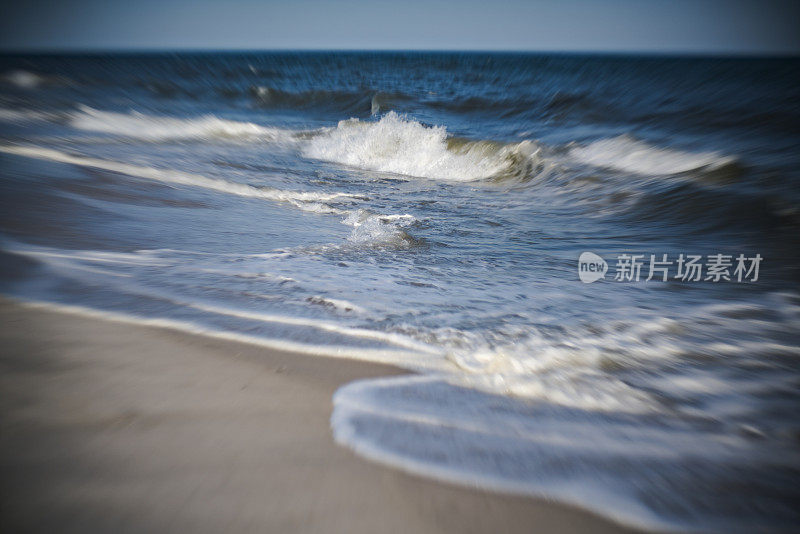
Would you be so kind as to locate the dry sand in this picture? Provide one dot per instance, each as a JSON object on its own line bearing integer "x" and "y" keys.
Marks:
{"x": 111, "y": 427}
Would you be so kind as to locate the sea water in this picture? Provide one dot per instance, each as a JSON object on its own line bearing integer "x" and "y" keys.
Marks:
{"x": 428, "y": 210}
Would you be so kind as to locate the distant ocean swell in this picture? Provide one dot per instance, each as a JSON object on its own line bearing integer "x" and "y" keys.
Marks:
{"x": 702, "y": 185}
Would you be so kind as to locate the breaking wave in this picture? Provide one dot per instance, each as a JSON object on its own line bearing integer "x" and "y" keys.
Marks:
{"x": 398, "y": 145}
{"x": 154, "y": 128}
{"x": 626, "y": 154}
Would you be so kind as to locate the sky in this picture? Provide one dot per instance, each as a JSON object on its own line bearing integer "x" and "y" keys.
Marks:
{"x": 634, "y": 26}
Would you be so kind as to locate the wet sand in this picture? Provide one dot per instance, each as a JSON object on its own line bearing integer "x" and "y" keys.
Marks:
{"x": 112, "y": 427}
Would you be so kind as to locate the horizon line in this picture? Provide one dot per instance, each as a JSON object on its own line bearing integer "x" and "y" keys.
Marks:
{"x": 784, "y": 54}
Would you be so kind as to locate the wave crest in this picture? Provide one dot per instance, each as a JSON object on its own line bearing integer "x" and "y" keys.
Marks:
{"x": 627, "y": 154}
{"x": 398, "y": 145}
{"x": 152, "y": 128}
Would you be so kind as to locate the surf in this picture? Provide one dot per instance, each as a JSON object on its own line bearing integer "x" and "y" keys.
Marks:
{"x": 399, "y": 145}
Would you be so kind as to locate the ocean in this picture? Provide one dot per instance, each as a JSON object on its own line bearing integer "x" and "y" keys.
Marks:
{"x": 429, "y": 210}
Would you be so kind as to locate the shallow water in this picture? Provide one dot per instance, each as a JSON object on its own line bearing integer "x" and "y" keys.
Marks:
{"x": 428, "y": 210}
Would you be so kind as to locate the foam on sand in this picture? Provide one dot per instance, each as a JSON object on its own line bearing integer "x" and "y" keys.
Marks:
{"x": 433, "y": 427}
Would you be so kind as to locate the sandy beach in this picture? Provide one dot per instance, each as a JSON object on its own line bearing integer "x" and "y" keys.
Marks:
{"x": 115, "y": 427}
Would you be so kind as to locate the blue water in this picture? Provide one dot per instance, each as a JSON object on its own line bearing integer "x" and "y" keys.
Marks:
{"x": 428, "y": 210}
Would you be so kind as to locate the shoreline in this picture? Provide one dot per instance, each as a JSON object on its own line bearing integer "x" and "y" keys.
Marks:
{"x": 110, "y": 426}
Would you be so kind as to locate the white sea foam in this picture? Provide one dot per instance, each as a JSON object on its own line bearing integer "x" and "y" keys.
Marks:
{"x": 371, "y": 228}
{"x": 630, "y": 155}
{"x": 416, "y": 360}
{"x": 305, "y": 200}
{"x": 571, "y": 371}
{"x": 402, "y": 146}
{"x": 155, "y": 128}
{"x": 426, "y": 426}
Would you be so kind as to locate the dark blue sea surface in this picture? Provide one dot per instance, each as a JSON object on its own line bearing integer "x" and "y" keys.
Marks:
{"x": 428, "y": 210}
